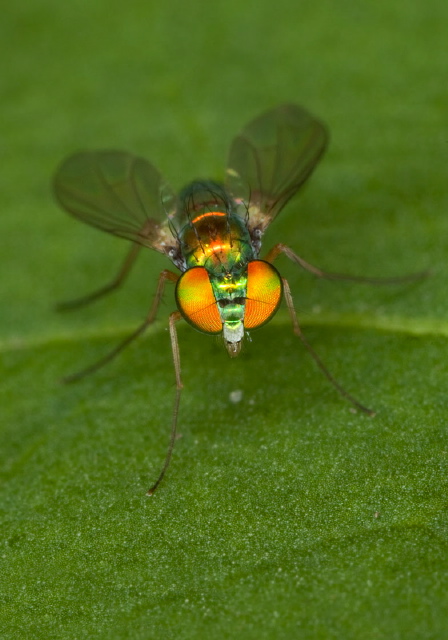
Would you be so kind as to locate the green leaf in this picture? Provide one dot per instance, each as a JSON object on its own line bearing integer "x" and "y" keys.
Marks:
{"x": 284, "y": 515}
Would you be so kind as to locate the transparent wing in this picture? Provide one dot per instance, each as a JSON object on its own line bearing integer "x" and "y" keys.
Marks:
{"x": 271, "y": 158}
{"x": 118, "y": 193}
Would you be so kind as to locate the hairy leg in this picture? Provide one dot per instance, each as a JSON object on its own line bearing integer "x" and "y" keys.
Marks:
{"x": 109, "y": 287}
{"x": 283, "y": 248}
{"x": 174, "y": 317}
{"x": 164, "y": 276}
{"x": 317, "y": 360}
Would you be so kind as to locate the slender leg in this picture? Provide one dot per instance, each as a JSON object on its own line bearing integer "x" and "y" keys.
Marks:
{"x": 174, "y": 317}
{"x": 310, "y": 349}
{"x": 283, "y": 248}
{"x": 111, "y": 286}
{"x": 164, "y": 276}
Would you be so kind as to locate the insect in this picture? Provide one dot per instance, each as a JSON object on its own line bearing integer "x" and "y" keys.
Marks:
{"x": 211, "y": 232}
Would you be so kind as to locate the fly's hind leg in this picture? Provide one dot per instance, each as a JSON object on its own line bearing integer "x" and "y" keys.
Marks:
{"x": 108, "y": 288}
{"x": 317, "y": 360}
{"x": 283, "y": 248}
{"x": 164, "y": 276}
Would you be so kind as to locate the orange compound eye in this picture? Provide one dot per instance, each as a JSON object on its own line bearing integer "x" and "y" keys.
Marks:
{"x": 264, "y": 292}
{"x": 196, "y": 301}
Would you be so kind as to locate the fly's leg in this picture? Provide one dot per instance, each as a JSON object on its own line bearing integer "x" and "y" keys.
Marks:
{"x": 108, "y": 288}
{"x": 283, "y": 248}
{"x": 174, "y": 317}
{"x": 164, "y": 276}
{"x": 317, "y": 360}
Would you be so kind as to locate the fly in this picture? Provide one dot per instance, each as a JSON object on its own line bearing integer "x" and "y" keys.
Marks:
{"x": 211, "y": 232}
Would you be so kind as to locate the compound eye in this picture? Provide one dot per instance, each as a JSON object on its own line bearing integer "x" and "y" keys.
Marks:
{"x": 196, "y": 301}
{"x": 264, "y": 292}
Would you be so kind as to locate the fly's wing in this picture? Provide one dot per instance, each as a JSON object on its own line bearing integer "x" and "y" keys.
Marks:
{"x": 270, "y": 160}
{"x": 118, "y": 193}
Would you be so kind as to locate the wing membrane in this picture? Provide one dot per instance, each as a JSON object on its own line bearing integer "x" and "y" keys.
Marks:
{"x": 271, "y": 158}
{"x": 118, "y": 193}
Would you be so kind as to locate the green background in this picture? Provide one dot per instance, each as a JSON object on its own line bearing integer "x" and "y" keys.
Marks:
{"x": 285, "y": 515}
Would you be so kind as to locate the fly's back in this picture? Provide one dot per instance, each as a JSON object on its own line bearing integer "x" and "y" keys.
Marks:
{"x": 214, "y": 236}
{"x": 224, "y": 288}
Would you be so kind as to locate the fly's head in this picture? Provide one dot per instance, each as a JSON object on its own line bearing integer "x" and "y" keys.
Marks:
{"x": 230, "y": 302}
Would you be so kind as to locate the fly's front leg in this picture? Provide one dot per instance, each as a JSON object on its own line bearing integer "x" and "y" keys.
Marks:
{"x": 174, "y": 317}
{"x": 283, "y": 248}
{"x": 317, "y": 360}
{"x": 108, "y": 288}
{"x": 164, "y": 276}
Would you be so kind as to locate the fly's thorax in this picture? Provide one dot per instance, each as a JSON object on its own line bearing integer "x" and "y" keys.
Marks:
{"x": 218, "y": 241}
